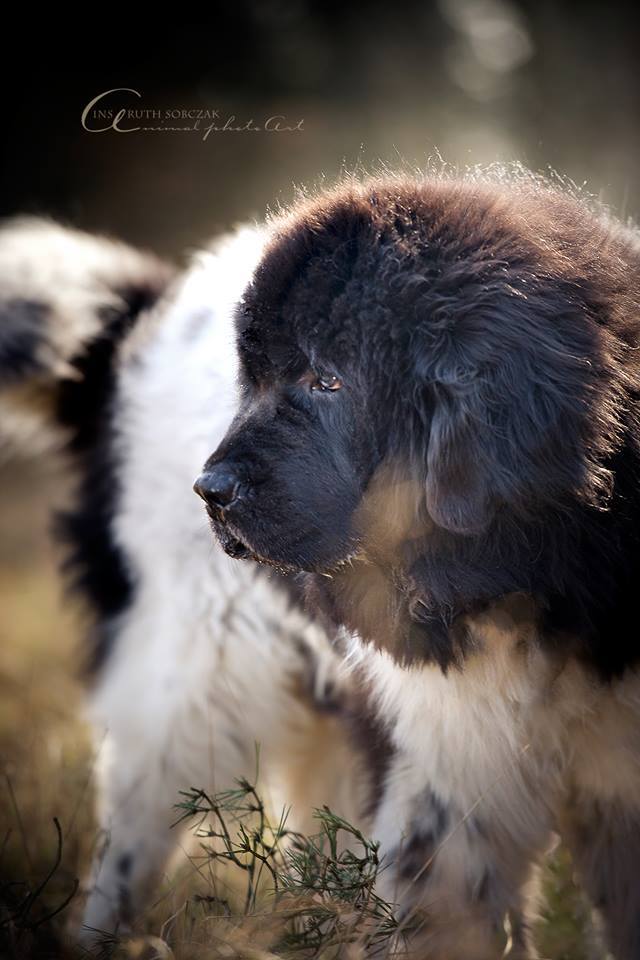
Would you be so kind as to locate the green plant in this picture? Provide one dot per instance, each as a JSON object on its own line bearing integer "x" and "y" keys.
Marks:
{"x": 318, "y": 891}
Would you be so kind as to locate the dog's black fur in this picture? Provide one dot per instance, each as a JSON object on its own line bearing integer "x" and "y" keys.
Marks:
{"x": 96, "y": 566}
{"x": 475, "y": 347}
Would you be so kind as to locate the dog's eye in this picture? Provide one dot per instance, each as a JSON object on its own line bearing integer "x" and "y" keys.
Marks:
{"x": 325, "y": 383}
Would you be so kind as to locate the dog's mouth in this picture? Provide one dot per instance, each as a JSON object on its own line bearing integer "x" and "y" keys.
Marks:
{"x": 235, "y": 547}
{"x": 238, "y": 549}
{"x": 232, "y": 545}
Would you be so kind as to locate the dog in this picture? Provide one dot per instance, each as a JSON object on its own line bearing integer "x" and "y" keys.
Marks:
{"x": 123, "y": 367}
{"x": 439, "y": 428}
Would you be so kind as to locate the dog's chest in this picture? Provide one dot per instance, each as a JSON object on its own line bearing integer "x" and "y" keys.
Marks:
{"x": 511, "y": 721}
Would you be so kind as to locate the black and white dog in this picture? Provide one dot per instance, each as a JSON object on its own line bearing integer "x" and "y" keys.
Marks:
{"x": 127, "y": 372}
{"x": 439, "y": 425}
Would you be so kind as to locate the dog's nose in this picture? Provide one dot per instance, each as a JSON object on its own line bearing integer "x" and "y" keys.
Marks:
{"x": 219, "y": 486}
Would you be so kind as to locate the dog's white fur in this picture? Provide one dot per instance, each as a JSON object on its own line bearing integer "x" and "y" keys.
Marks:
{"x": 207, "y": 666}
{"x": 512, "y": 748}
{"x": 210, "y": 657}
{"x": 213, "y": 673}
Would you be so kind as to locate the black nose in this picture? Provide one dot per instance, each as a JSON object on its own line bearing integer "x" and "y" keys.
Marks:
{"x": 219, "y": 486}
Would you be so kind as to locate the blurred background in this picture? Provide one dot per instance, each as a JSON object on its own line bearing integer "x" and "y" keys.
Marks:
{"x": 469, "y": 81}
{"x": 546, "y": 83}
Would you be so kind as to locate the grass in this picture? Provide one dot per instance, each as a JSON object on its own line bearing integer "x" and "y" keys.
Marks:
{"x": 254, "y": 891}
{"x": 313, "y": 895}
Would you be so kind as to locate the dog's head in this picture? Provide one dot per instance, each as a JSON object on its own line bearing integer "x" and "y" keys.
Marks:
{"x": 421, "y": 363}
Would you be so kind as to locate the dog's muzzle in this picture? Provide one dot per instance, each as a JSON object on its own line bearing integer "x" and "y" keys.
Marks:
{"x": 221, "y": 489}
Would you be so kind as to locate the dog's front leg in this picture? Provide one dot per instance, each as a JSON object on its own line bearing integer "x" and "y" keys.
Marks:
{"x": 603, "y": 835}
{"x": 137, "y": 792}
{"x": 460, "y": 877}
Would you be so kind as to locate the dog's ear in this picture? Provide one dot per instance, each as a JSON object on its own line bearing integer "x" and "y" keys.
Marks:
{"x": 459, "y": 496}
{"x": 524, "y": 406}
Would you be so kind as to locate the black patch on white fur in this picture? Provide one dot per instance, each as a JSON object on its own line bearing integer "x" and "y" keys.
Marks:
{"x": 22, "y": 328}
{"x": 97, "y": 566}
{"x": 370, "y": 738}
{"x": 125, "y": 864}
{"x": 415, "y": 855}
